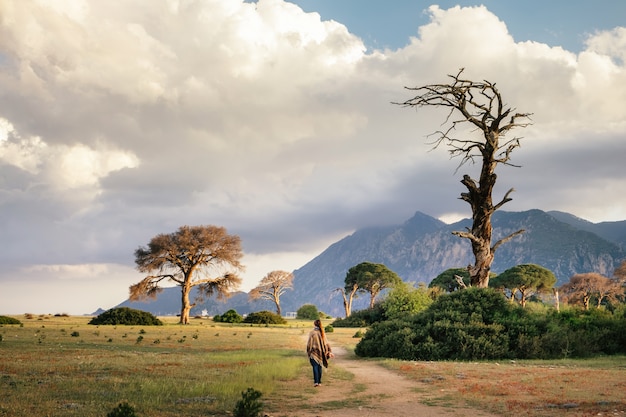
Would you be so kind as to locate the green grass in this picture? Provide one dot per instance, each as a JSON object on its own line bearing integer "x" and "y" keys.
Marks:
{"x": 61, "y": 366}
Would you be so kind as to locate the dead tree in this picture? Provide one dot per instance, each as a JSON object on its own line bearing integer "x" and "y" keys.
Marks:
{"x": 479, "y": 104}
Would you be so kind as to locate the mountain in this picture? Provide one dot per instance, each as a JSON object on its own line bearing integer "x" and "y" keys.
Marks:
{"x": 612, "y": 231}
{"x": 422, "y": 247}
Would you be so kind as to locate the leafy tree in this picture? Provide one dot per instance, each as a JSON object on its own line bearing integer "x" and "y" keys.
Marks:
{"x": 187, "y": 257}
{"x": 583, "y": 288}
{"x": 371, "y": 278}
{"x": 525, "y": 280}
{"x": 308, "y": 312}
{"x": 448, "y": 281}
{"x": 272, "y": 286}
{"x": 405, "y": 299}
{"x": 480, "y": 105}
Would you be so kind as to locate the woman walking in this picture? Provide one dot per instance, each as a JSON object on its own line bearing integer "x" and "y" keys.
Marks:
{"x": 318, "y": 350}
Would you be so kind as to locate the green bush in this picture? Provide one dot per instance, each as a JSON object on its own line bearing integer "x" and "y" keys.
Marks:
{"x": 231, "y": 316}
{"x": 388, "y": 339}
{"x": 9, "y": 320}
{"x": 249, "y": 405}
{"x": 122, "y": 410}
{"x": 480, "y": 324}
{"x": 362, "y": 318}
{"x": 264, "y": 317}
{"x": 404, "y": 300}
{"x": 461, "y": 325}
{"x": 308, "y": 312}
{"x": 329, "y": 329}
{"x": 126, "y": 316}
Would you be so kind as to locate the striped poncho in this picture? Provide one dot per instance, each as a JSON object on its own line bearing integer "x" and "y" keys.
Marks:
{"x": 317, "y": 347}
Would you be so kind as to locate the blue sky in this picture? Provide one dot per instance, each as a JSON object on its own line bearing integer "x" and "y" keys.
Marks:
{"x": 553, "y": 22}
{"x": 123, "y": 120}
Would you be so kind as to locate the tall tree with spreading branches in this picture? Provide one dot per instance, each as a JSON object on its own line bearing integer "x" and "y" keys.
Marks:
{"x": 203, "y": 256}
{"x": 272, "y": 287}
{"x": 591, "y": 286}
{"x": 480, "y": 105}
{"x": 371, "y": 278}
{"x": 524, "y": 281}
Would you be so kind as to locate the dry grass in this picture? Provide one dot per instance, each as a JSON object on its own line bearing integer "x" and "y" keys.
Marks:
{"x": 525, "y": 388}
{"x": 60, "y": 366}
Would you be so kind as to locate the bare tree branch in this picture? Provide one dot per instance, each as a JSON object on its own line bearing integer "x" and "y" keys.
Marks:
{"x": 480, "y": 105}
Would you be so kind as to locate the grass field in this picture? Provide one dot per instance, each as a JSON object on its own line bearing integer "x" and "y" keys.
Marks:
{"x": 61, "y": 366}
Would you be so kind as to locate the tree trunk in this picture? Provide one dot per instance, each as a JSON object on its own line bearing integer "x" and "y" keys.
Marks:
{"x": 278, "y": 309}
{"x": 347, "y": 300}
{"x": 186, "y": 305}
{"x": 372, "y": 299}
{"x": 556, "y": 299}
{"x": 347, "y": 305}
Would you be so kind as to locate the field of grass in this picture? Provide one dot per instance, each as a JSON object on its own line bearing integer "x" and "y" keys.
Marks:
{"x": 61, "y": 366}
{"x": 582, "y": 387}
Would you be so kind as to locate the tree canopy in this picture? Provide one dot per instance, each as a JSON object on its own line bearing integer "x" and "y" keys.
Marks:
{"x": 371, "y": 278}
{"x": 480, "y": 105}
{"x": 272, "y": 287}
{"x": 448, "y": 281}
{"x": 203, "y": 256}
{"x": 525, "y": 280}
{"x": 585, "y": 288}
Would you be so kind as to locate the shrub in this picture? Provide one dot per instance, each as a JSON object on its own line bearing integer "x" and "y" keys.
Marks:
{"x": 264, "y": 317}
{"x": 231, "y": 316}
{"x": 329, "y": 329}
{"x": 480, "y": 324}
{"x": 404, "y": 300}
{"x": 362, "y": 318}
{"x": 123, "y": 410}
{"x": 9, "y": 320}
{"x": 462, "y": 325}
{"x": 249, "y": 405}
{"x": 308, "y": 312}
{"x": 126, "y": 316}
{"x": 396, "y": 334}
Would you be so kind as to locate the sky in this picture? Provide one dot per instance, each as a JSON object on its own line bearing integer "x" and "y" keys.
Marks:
{"x": 274, "y": 119}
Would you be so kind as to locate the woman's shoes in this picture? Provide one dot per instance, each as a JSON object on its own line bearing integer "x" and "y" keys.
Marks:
{"x": 317, "y": 385}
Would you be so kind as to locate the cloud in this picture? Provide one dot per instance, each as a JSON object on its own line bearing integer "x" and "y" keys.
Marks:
{"x": 119, "y": 121}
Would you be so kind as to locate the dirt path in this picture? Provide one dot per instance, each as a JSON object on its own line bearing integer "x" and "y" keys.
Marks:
{"x": 361, "y": 388}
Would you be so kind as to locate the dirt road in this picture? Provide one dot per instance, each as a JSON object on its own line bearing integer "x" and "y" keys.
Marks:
{"x": 359, "y": 388}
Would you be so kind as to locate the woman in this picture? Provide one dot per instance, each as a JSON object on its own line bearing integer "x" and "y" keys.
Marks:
{"x": 318, "y": 350}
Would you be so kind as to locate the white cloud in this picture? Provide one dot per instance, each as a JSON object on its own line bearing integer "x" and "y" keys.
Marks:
{"x": 119, "y": 121}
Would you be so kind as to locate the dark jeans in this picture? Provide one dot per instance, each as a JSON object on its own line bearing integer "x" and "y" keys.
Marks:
{"x": 317, "y": 371}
